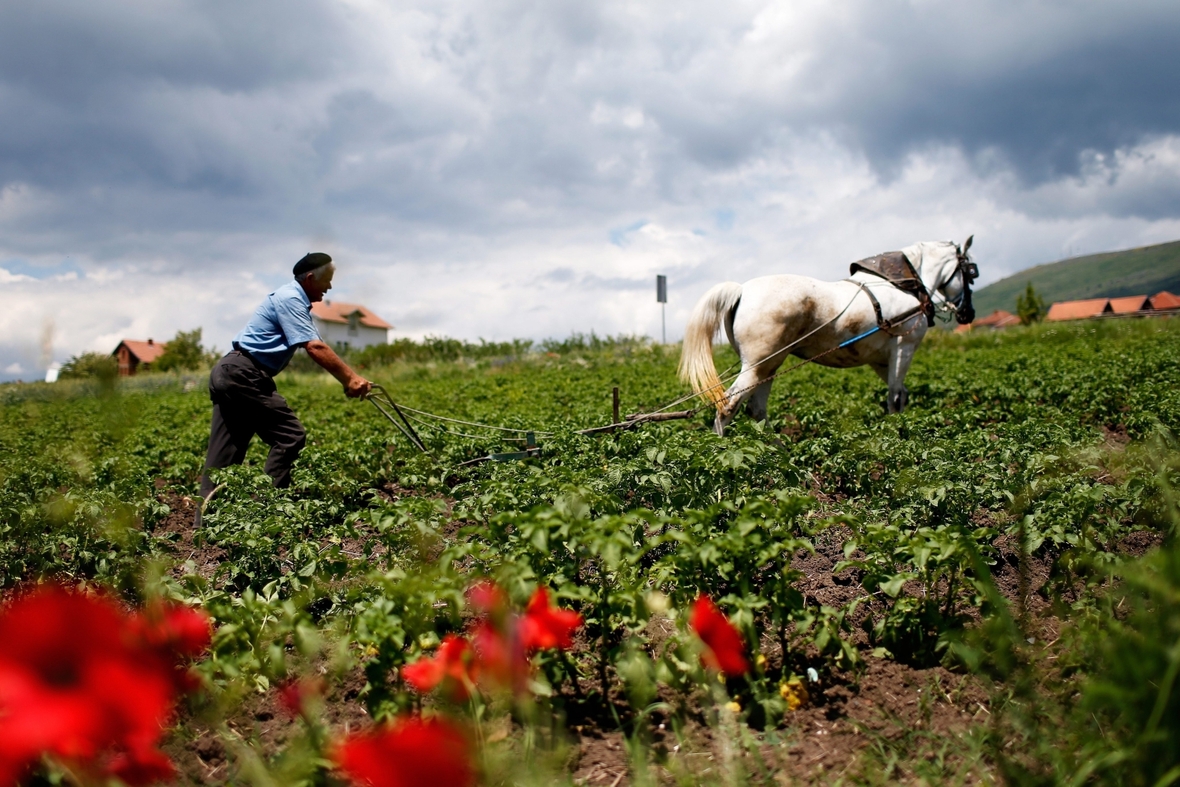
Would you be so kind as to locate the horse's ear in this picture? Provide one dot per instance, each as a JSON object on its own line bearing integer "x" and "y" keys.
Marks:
{"x": 967, "y": 245}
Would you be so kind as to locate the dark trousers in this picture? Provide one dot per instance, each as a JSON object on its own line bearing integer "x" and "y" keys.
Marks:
{"x": 245, "y": 403}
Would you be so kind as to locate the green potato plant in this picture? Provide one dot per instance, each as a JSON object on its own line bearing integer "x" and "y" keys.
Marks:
{"x": 1049, "y": 443}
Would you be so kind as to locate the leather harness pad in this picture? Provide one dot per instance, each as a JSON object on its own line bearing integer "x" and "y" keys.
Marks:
{"x": 895, "y": 268}
{"x": 892, "y": 265}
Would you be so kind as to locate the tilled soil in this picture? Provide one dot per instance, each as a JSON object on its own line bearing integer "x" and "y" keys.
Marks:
{"x": 205, "y": 754}
{"x": 816, "y": 743}
{"x": 889, "y": 700}
{"x": 179, "y": 529}
{"x": 846, "y": 716}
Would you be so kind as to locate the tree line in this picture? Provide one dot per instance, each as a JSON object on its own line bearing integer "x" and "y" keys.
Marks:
{"x": 183, "y": 353}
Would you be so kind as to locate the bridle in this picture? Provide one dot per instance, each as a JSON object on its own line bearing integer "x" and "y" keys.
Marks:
{"x": 969, "y": 271}
{"x": 895, "y": 268}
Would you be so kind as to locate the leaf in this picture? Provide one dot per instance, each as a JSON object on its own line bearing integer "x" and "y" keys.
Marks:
{"x": 892, "y": 586}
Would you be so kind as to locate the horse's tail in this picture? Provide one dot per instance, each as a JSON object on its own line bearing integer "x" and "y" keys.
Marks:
{"x": 696, "y": 355}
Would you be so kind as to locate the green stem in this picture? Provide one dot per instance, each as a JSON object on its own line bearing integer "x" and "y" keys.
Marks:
{"x": 604, "y": 620}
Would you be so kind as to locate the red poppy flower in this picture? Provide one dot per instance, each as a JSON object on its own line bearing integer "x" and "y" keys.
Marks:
{"x": 294, "y": 695}
{"x": 11, "y": 771}
{"x": 78, "y": 681}
{"x": 501, "y": 655}
{"x": 138, "y": 768}
{"x": 70, "y": 681}
{"x": 453, "y": 663}
{"x": 487, "y": 598}
{"x": 545, "y": 627}
{"x": 174, "y": 633}
{"x": 175, "y": 629}
{"x": 725, "y": 649}
{"x": 407, "y": 753}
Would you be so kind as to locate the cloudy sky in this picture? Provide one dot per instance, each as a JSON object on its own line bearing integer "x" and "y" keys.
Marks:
{"x": 524, "y": 168}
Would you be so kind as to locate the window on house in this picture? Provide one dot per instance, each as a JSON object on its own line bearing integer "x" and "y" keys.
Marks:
{"x": 354, "y": 320}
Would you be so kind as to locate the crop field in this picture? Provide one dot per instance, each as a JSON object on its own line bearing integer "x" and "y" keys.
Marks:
{"x": 983, "y": 589}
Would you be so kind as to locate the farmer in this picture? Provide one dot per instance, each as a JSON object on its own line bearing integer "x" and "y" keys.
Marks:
{"x": 241, "y": 385}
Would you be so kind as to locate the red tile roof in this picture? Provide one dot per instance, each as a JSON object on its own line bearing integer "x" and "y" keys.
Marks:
{"x": 1078, "y": 310}
{"x": 1129, "y": 304}
{"x": 1165, "y": 300}
{"x": 146, "y": 352}
{"x": 997, "y": 319}
{"x": 338, "y": 311}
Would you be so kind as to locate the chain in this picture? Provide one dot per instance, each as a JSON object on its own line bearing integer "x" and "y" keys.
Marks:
{"x": 476, "y": 424}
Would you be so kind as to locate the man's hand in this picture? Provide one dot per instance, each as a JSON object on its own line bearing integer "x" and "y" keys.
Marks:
{"x": 357, "y": 388}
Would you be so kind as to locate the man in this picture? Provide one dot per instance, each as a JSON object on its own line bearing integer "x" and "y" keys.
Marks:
{"x": 241, "y": 385}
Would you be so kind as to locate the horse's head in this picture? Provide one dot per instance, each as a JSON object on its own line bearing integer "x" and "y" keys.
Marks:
{"x": 966, "y": 272}
{"x": 953, "y": 277}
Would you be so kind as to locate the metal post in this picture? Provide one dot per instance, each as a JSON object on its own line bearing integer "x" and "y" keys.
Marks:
{"x": 615, "y": 405}
{"x": 662, "y": 297}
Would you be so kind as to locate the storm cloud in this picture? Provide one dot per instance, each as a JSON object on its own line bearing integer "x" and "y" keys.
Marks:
{"x": 163, "y": 164}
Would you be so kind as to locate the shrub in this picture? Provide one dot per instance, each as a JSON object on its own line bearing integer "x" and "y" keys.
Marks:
{"x": 1030, "y": 307}
{"x": 184, "y": 353}
{"x": 99, "y": 366}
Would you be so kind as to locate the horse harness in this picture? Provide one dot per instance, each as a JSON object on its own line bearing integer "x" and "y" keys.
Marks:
{"x": 895, "y": 268}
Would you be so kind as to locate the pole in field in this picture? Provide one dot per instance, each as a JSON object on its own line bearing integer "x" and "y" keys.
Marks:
{"x": 662, "y": 297}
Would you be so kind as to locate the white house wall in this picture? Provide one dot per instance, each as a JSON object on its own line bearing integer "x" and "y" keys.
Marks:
{"x": 337, "y": 334}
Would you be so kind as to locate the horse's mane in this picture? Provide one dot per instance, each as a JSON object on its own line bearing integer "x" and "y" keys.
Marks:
{"x": 930, "y": 251}
{"x": 926, "y": 250}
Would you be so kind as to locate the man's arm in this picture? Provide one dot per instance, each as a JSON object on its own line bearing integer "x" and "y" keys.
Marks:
{"x": 354, "y": 385}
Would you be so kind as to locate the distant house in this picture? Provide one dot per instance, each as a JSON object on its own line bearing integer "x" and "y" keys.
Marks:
{"x": 996, "y": 320}
{"x": 349, "y": 326}
{"x": 1079, "y": 310}
{"x": 133, "y": 353}
{"x": 1165, "y": 301}
{"x": 1130, "y": 305}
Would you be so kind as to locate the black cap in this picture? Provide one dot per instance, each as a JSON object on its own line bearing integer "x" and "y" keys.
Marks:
{"x": 310, "y": 261}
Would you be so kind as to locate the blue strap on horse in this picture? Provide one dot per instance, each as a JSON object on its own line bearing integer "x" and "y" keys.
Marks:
{"x": 856, "y": 339}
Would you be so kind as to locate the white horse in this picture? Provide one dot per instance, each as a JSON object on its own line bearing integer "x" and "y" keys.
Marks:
{"x": 768, "y": 318}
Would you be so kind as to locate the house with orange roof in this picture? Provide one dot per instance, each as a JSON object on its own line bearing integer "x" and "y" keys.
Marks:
{"x": 996, "y": 320}
{"x": 1162, "y": 304}
{"x": 1165, "y": 301}
{"x": 349, "y": 326}
{"x": 1130, "y": 304}
{"x": 1079, "y": 310}
{"x": 133, "y": 353}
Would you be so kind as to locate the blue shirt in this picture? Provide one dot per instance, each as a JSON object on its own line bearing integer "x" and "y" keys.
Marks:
{"x": 281, "y": 324}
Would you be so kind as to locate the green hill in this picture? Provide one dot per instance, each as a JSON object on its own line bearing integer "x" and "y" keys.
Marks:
{"x": 1142, "y": 271}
